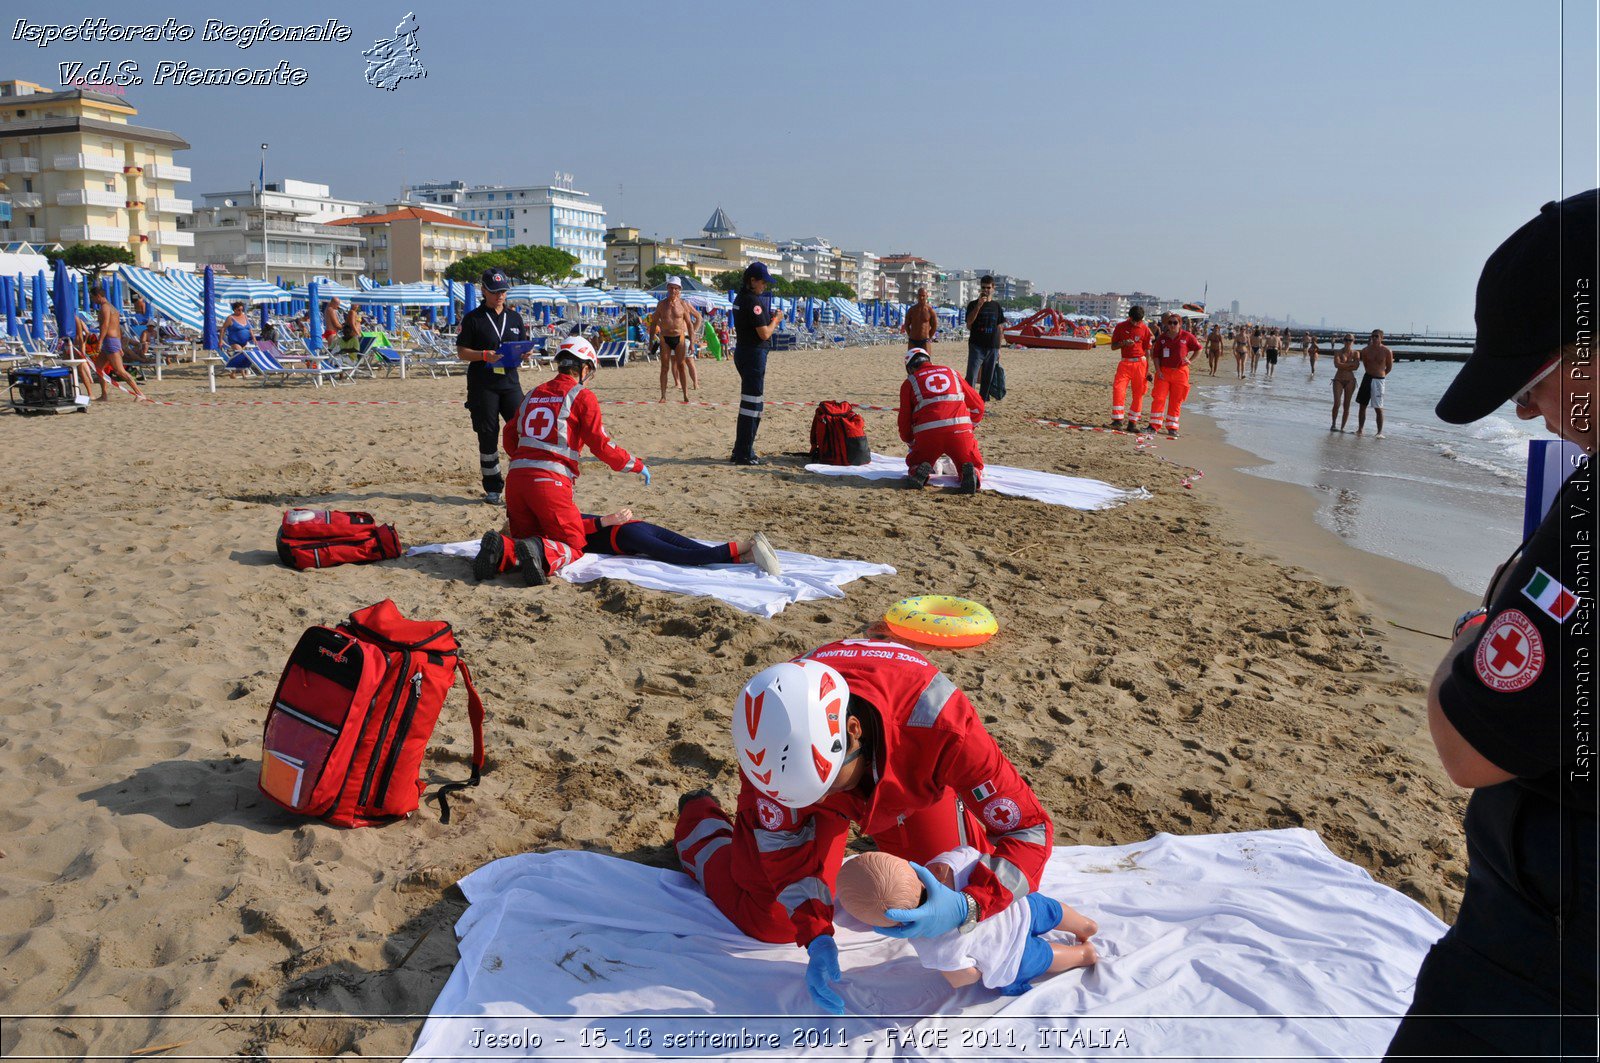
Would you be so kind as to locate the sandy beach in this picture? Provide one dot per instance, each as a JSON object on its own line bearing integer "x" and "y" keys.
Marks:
{"x": 1206, "y": 660}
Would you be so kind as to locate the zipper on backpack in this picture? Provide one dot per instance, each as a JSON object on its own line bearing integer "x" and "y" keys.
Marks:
{"x": 399, "y": 738}
{"x": 379, "y": 637}
{"x": 383, "y": 732}
{"x": 309, "y": 721}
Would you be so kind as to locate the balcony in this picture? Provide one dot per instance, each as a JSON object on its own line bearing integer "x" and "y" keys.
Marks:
{"x": 172, "y": 238}
{"x": 90, "y": 197}
{"x": 166, "y": 171}
{"x": 95, "y": 234}
{"x": 168, "y": 205}
{"x": 25, "y": 200}
{"x": 21, "y": 164}
{"x": 31, "y": 236}
{"x": 99, "y": 163}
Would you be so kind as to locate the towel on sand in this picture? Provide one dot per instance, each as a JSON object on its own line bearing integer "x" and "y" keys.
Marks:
{"x": 1248, "y": 945}
{"x": 805, "y": 578}
{"x": 1074, "y": 492}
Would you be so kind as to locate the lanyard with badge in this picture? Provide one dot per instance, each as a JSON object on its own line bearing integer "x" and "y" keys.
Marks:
{"x": 499, "y": 334}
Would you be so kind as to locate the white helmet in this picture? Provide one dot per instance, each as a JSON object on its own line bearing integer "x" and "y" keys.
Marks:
{"x": 788, "y": 731}
{"x": 913, "y": 353}
{"x": 578, "y": 348}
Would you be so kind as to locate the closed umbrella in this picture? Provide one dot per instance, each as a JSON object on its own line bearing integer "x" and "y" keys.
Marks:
{"x": 450, "y": 303}
{"x": 470, "y": 303}
{"x": 65, "y": 302}
{"x": 8, "y": 294}
{"x": 208, "y": 309}
{"x": 38, "y": 306}
{"x": 314, "y": 318}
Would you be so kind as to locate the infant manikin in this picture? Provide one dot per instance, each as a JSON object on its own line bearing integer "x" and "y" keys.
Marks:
{"x": 1006, "y": 951}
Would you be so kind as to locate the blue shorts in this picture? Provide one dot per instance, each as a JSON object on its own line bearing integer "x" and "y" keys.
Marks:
{"x": 1037, "y": 955}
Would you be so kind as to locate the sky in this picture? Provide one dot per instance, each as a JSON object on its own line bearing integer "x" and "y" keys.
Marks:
{"x": 1354, "y": 162}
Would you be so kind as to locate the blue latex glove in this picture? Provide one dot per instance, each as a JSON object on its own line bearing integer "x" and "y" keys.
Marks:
{"x": 943, "y": 911}
{"x": 645, "y": 472}
{"x": 822, "y": 969}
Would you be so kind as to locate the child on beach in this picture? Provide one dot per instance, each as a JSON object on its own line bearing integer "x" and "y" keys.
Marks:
{"x": 1006, "y": 951}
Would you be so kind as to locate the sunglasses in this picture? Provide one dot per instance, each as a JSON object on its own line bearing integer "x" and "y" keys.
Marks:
{"x": 1524, "y": 398}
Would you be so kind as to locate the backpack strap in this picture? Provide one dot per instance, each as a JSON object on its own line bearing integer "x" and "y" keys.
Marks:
{"x": 475, "y": 714}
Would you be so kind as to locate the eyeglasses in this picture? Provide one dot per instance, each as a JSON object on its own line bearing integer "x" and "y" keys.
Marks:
{"x": 1524, "y": 398}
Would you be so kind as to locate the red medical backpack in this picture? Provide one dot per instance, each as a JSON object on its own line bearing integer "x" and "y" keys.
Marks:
{"x": 353, "y": 713}
{"x": 839, "y": 435}
{"x": 328, "y": 537}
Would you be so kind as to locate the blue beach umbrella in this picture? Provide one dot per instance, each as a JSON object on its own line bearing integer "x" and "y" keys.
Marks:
{"x": 450, "y": 303}
{"x": 208, "y": 309}
{"x": 38, "y": 306}
{"x": 314, "y": 319}
{"x": 469, "y": 300}
{"x": 8, "y": 291}
{"x": 65, "y": 301}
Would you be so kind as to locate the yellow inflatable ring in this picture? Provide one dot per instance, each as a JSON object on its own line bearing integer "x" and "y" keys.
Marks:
{"x": 941, "y": 620}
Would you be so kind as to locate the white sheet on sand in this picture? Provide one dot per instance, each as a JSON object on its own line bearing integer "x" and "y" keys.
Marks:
{"x": 1248, "y": 945}
{"x": 805, "y": 578}
{"x": 1074, "y": 492}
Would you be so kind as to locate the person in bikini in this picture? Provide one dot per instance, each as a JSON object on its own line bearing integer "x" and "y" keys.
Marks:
{"x": 1309, "y": 342}
{"x": 1214, "y": 348}
{"x": 1241, "y": 344}
{"x": 1255, "y": 348}
{"x": 1345, "y": 361}
{"x": 108, "y": 360}
{"x": 674, "y": 322}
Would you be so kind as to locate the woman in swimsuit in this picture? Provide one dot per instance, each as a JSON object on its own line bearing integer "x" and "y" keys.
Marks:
{"x": 1214, "y": 348}
{"x": 1255, "y": 348}
{"x": 1239, "y": 346}
{"x": 1344, "y": 382}
{"x": 1310, "y": 343}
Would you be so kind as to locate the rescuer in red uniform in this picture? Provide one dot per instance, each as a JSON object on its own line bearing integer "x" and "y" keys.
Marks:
{"x": 870, "y": 733}
{"x": 937, "y": 411}
{"x": 555, "y": 422}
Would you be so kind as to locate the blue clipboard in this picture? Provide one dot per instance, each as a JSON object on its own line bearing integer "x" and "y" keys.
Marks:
{"x": 512, "y": 352}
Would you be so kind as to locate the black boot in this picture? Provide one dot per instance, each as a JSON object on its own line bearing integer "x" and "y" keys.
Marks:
{"x": 531, "y": 562}
{"x": 969, "y": 479}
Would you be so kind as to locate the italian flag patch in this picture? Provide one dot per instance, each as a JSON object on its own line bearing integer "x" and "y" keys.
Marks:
{"x": 1551, "y": 597}
{"x": 984, "y": 792}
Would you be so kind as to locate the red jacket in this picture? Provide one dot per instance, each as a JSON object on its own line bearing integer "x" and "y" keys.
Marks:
{"x": 934, "y": 397}
{"x": 932, "y": 740}
{"x": 555, "y": 422}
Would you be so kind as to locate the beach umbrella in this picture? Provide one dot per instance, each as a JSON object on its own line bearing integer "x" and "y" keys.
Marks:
{"x": 65, "y": 302}
{"x": 632, "y": 297}
{"x": 8, "y": 294}
{"x": 470, "y": 303}
{"x": 164, "y": 298}
{"x": 450, "y": 303}
{"x": 38, "y": 306}
{"x": 208, "y": 310}
{"x": 314, "y": 320}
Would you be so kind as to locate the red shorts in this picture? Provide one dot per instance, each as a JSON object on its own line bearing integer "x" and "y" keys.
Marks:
{"x": 539, "y": 506}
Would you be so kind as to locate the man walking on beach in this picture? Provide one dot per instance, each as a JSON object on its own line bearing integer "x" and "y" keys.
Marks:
{"x": 673, "y": 322}
{"x": 986, "y": 323}
{"x": 108, "y": 360}
{"x": 1510, "y": 706}
{"x": 921, "y": 323}
{"x": 1376, "y": 361}
{"x": 1131, "y": 339}
{"x": 493, "y": 390}
{"x": 885, "y": 741}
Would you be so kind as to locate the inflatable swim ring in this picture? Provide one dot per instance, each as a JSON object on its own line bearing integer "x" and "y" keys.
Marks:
{"x": 1101, "y": 339}
{"x": 941, "y": 620}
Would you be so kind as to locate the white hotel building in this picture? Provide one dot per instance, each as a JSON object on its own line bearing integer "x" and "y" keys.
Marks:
{"x": 551, "y": 215}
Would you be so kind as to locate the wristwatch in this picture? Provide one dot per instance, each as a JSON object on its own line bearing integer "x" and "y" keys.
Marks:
{"x": 1468, "y": 619}
{"x": 971, "y": 920}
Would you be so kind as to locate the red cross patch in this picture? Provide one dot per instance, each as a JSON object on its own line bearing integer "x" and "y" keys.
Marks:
{"x": 771, "y": 815}
{"x": 1510, "y": 654}
{"x": 1002, "y": 814}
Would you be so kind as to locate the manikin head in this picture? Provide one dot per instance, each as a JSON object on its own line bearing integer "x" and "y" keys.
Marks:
{"x": 872, "y": 883}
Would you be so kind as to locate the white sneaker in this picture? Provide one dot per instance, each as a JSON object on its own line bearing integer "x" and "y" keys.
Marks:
{"x": 491, "y": 498}
{"x": 764, "y": 557}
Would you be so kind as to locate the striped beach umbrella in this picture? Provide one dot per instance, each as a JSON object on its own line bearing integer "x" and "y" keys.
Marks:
{"x": 579, "y": 296}
{"x": 532, "y": 293}
{"x": 631, "y": 297}
{"x": 251, "y": 292}
{"x": 163, "y": 297}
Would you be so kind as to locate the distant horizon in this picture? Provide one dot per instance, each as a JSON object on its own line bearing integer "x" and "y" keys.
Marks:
{"x": 1362, "y": 180}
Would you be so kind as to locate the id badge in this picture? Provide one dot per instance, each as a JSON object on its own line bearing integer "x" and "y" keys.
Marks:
{"x": 500, "y": 370}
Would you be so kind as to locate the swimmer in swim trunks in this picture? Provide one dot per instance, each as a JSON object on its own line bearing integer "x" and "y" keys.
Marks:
{"x": 1377, "y": 361}
{"x": 674, "y": 322}
{"x": 1272, "y": 352}
{"x": 109, "y": 358}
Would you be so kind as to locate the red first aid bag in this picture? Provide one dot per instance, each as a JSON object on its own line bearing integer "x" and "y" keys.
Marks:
{"x": 322, "y": 538}
{"x": 353, "y": 713}
{"x": 839, "y": 435}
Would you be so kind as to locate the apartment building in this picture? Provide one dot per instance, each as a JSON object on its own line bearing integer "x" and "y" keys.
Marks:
{"x": 1111, "y": 305}
{"x": 407, "y": 243}
{"x": 629, "y": 256}
{"x": 77, "y": 170}
{"x": 908, "y": 273}
{"x": 554, "y": 215}
{"x": 284, "y": 230}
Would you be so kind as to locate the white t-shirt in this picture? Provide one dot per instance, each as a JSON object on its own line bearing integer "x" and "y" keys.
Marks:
{"x": 994, "y": 946}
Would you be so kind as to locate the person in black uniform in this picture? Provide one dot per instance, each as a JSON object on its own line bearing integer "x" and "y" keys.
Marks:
{"x": 1511, "y": 707}
{"x": 754, "y": 322}
{"x": 493, "y": 391}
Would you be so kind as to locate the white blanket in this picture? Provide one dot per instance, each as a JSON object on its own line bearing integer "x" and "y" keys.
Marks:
{"x": 1246, "y": 945}
{"x": 1074, "y": 492}
{"x": 805, "y": 578}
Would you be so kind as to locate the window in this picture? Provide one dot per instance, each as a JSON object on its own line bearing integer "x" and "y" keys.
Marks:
{"x": 27, "y": 184}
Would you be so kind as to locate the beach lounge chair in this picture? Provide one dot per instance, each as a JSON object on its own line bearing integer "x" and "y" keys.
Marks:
{"x": 274, "y": 371}
{"x": 614, "y": 353}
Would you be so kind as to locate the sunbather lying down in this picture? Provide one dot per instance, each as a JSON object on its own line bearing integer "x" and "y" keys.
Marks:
{"x": 620, "y": 533}
{"x": 1007, "y": 951}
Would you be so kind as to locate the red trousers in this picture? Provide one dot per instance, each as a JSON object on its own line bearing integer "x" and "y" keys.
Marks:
{"x": 959, "y": 443}
{"x": 1131, "y": 373}
{"x": 722, "y": 855}
{"x": 540, "y": 507}
{"x": 1172, "y": 387}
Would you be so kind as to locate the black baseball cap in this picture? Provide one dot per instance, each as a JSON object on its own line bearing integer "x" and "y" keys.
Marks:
{"x": 757, "y": 271}
{"x": 495, "y": 280}
{"x": 1525, "y": 311}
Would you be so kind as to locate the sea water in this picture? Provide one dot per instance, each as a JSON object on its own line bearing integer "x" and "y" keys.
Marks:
{"x": 1447, "y": 498}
